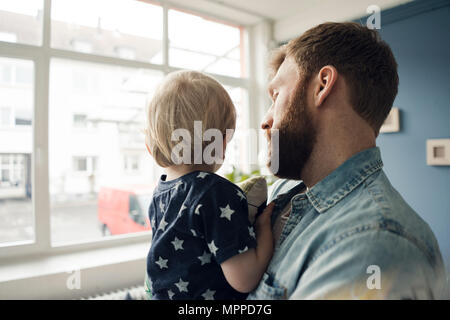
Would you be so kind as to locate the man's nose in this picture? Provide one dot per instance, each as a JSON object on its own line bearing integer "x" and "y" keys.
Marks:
{"x": 267, "y": 121}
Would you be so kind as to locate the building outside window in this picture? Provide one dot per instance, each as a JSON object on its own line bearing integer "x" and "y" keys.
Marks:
{"x": 87, "y": 91}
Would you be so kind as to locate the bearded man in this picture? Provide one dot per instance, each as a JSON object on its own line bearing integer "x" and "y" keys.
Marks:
{"x": 341, "y": 230}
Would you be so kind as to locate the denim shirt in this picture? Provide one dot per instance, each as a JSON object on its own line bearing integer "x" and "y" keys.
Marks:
{"x": 351, "y": 236}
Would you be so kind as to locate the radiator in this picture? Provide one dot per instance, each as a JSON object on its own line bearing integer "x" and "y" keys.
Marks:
{"x": 132, "y": 293}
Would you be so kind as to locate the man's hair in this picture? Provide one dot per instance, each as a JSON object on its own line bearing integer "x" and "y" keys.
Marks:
{"x": 182, "y": 98}
{"x": 359, "y": 55}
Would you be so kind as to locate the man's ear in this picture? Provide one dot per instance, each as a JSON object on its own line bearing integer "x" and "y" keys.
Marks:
{"x": 326, "y": 78}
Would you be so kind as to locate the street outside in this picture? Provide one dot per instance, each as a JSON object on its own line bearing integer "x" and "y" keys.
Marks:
{"x": 70, "y": 221}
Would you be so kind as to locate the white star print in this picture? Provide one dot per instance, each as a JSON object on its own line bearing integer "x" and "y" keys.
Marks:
{"x": 212, "y": 247}
{"x": 208, "y": 294}
{"x": 170, "y": 294}
{"x": 194, "y": 233}
{"x": 163, "y": 224}
{"x": 181, "y": 209}
{"x": 162, "y": 263}
{"x": 177, "y": 244}
{"x": 201, "y": 175}
{"x": 251, "y": 232}
{"x": 197, "y": 209}
{"x": 182, "y": 285}
{"x": 179, "y": 183}
{"x": 241, "y": 195}
{"x": 205, "y": 258}
{"x": 226, "y": 212}
{"x": 161, "y": 206}
{"x": 243, "y": 250}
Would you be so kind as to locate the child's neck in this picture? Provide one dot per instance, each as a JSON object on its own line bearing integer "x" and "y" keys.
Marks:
{"x": 174, "y": 172}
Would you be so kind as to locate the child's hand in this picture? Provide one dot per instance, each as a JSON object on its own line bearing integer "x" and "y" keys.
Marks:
{"x": 244, "y": 271}
{"x": 263, "y": 219}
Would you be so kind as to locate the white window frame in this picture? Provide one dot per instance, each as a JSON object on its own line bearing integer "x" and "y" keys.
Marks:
{"x": 41, "y": 56}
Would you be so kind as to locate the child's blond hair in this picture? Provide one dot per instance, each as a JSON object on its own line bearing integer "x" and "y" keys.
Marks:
{"x": 182, "y": 98}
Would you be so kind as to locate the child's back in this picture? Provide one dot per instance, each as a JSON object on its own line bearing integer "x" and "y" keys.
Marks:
{"x": 199, "y": 221}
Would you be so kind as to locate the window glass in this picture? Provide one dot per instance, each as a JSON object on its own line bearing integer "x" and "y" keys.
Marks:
{"x": 16, "y": 136}
{"x": 194, "y": 44}
{"x": 21, "y": 21}
{"x": 89, "y": 188}
{"x": 237, "y": 150}
{"x": 126, "y": 29}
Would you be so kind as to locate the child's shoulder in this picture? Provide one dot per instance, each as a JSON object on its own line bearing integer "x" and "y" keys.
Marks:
{"x": 213, "y": 183}
{"x": 217, "y": 187}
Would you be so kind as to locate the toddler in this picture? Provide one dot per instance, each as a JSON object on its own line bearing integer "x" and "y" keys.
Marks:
{"x": 203, "y": 245}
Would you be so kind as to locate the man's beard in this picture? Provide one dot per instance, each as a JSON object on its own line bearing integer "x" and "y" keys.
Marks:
{"x": 296, "y": 138}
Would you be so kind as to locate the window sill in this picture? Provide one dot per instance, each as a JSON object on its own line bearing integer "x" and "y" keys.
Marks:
{"x": 57, "y": 276}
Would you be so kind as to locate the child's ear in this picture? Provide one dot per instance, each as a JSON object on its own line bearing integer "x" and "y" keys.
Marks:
{"x": 146, "y": 141}
{"x": 227, "y": 136}
{"x": 225, "y": 142}
{"x": 145, "y": 132}
{"x": 148, "y": 149}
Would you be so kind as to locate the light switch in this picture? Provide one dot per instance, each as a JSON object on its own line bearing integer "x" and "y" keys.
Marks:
{"x": 438, "y": 152}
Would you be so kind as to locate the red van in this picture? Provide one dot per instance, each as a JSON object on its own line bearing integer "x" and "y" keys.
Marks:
{"x": 124, "y": 210}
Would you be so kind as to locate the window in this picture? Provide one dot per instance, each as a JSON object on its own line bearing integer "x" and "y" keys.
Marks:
{"x": 21, "y": 21}
{"x": 237, "y": 152}
{"x": 16, "y": 214}
{"x": 22, "y": 117}
{"x": 194, "y": 44}
{"x": 85, "y": 164}
{"x": 131, "y": 163}
{"x": 80, "y": 120}
{"x": 102, "y": 26}
{"x": 104, "y": 60}
{"x": 80, "y": 164}
{"x": 117, "y": 107}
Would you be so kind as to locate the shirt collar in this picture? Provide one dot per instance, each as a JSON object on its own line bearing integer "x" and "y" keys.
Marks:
{"x": 344, "y": 179}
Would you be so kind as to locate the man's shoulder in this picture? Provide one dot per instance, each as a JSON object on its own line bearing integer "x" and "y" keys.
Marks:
{"x": 390, "y": 205}
{"x": 378, "y": 207}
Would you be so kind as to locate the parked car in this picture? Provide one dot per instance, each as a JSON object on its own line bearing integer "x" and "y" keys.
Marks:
{"x": 124, "y": 209}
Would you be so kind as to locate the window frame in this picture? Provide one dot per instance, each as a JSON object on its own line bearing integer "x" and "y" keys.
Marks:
{"x": 40, "y": 56}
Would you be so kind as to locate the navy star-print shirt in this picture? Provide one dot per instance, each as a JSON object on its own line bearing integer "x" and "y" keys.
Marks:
{"x": 198, "y": 221}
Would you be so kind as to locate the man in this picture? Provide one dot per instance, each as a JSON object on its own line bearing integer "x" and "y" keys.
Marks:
{"x": 341, "y": 230}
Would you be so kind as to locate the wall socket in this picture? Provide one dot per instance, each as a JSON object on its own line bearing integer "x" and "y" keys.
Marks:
{"x": 438, "y": 152}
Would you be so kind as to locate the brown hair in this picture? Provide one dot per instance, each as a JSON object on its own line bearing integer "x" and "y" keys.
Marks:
{"x": 359, "y": 55}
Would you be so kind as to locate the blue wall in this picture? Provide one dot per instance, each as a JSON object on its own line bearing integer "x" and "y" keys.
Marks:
{"x": 421, "y": 45}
